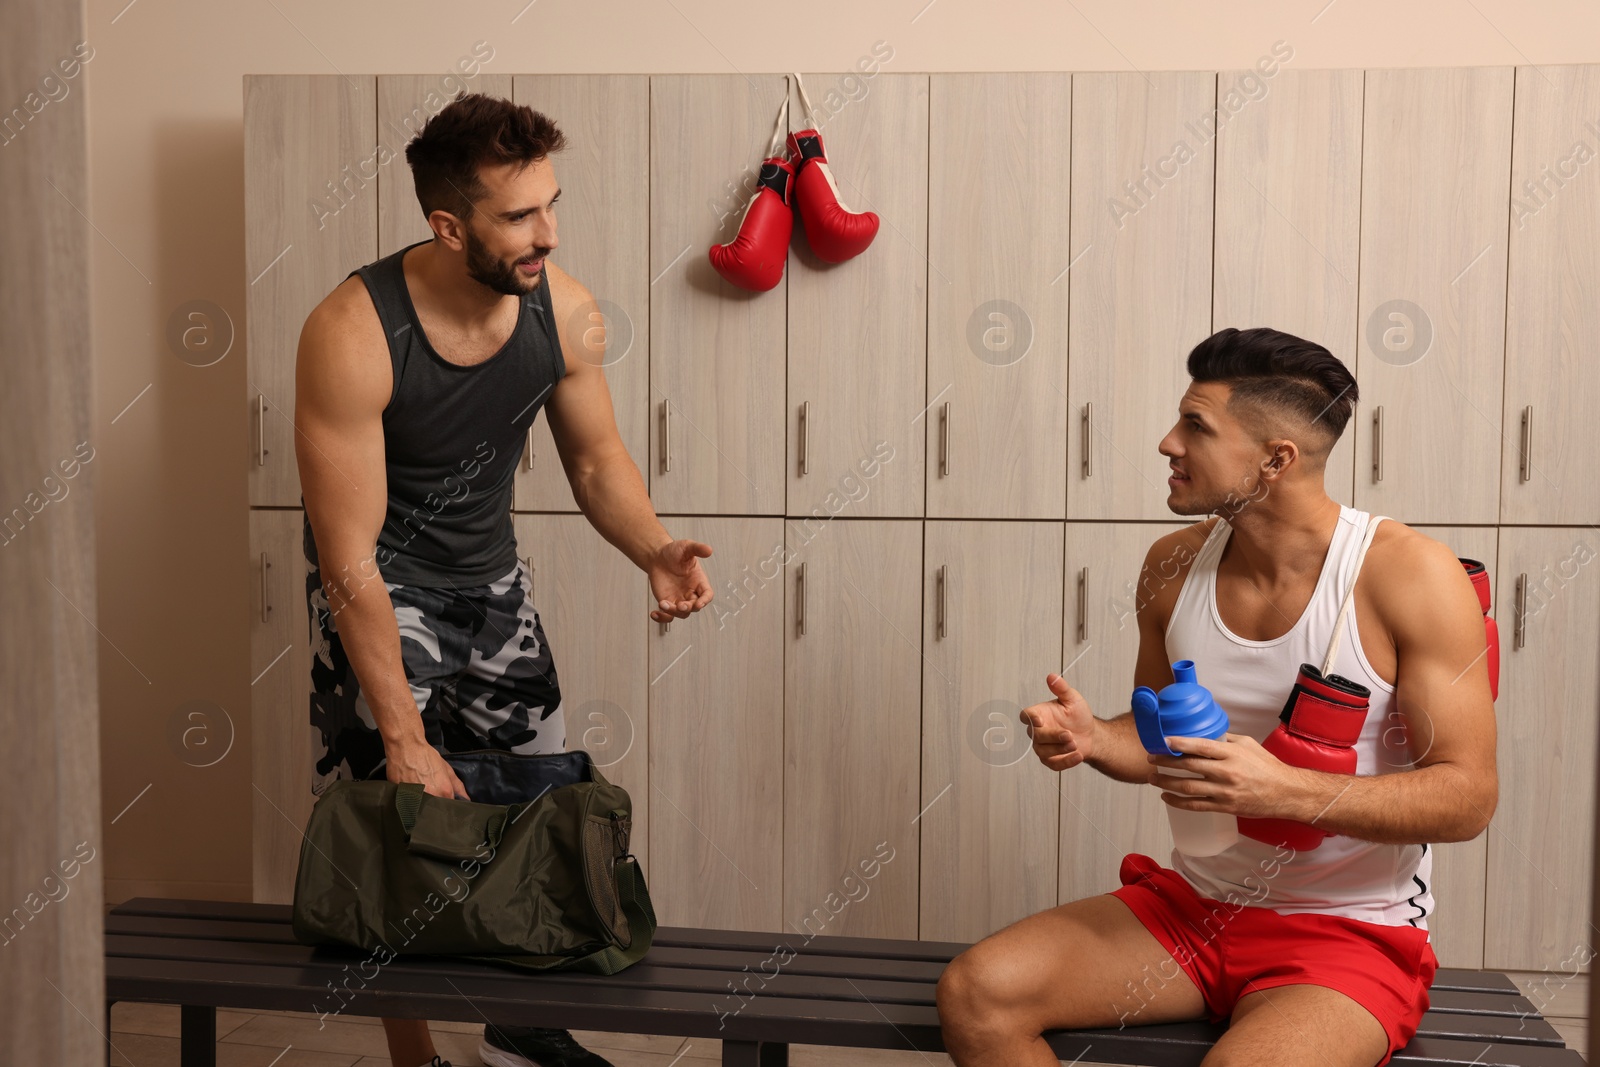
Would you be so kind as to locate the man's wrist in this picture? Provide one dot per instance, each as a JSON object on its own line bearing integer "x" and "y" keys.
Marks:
{"x": 1314, "y": 793}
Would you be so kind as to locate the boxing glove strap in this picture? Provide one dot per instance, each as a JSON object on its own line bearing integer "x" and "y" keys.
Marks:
{"x": 776, "y": 175}
{"x": 808, "y": 145}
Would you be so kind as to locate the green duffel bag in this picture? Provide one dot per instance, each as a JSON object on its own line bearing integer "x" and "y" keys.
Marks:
{"x": 544, "y": 884}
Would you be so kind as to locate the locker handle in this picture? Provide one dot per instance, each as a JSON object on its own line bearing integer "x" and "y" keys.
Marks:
{"x": 1520, "y": 630}
{"x": 666, "y": 436}
{"x": 805, "y": 438}
{"x": 944, "y": 439}
{"x": 1083, "y": 605}
{"x": 266, "y": 606}
{"x": 261, "y": 429}
{"x": 1525, "y": 471}
{"x": 800, "y": 597}
{"x": 939, "y": 600}
{"x": 1377, "y": 443}
{"x": 1088, "y": 440}
{"x": 530, "y": 446}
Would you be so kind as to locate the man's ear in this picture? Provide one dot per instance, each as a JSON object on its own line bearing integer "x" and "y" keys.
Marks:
{"x": 450, "y": 230}
{"x": 1282, "y": 455}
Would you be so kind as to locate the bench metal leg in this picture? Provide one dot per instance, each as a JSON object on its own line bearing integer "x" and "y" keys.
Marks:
{"x": 755, "y": 1054}
{"x": 197, "y": 1029}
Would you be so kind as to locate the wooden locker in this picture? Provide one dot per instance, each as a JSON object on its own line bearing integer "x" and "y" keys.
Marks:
{"x": 717, "y": 351}
{"x": 1103, "y": 820}
{"x": 991, "y": 631}
{"x": 857, "y": 361}
{"x": 281, "y": 734}
{"x": 716, "y": 730}
{"x": 1436, "y": 154}
{"x": 1552, "y": 318}
{"x": 1140, "y": 285}
{"x": 852, "y": 716}
{"x": 997, "y": 311}
{"x": 311, "y": 218}
{"x": 1541, "y": 842}
{"x": 1288, "y": 216}
{"x": 603, "y": 224}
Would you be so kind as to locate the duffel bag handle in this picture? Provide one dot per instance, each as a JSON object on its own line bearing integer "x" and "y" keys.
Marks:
{"x": 448, "y": 829}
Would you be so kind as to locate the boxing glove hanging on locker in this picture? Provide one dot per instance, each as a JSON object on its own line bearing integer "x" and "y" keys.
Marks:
{"x": 834, "y": 231}
{"x": 754, "y": 259}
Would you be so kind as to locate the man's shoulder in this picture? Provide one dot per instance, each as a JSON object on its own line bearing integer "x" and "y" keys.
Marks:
{"x": 1406, "y": 571}
{"x": 579, "y": 322}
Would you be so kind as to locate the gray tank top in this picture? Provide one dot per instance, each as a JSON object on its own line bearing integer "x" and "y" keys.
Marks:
{"x": 452, "y": 436}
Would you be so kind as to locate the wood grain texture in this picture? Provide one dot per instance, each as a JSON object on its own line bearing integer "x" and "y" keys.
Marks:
{"x": 281, "y": 734}
{"x": 1435, "y": 160}
{"x": 1552, "y": 318}
{"x": 716, "y": 351}
{"x": 604, "y": 233}
{"x": 405, "y": 103}
{"x": 989, "y": 809}
{"x": 1288, "y": 215}
{"x": 594, "y": 606}
{"x": 716, "y": 728}
{"x": 54, "y": 974}
{"x": 1103, "y": 820}
{"x": 852, "y": 715}
{"x": 858, "y": 359}
{"x": 1541, "y": 842}
{"x": 311, "y": 218}
{"x": 997, "y": 310}
{"x": 1140, "y": 287}
{"x": 1460, "y": 868}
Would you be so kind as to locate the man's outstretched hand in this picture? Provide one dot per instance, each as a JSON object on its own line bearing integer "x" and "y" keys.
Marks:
{"x": 1063, "y": 729}
{"x": 676, "y": 580}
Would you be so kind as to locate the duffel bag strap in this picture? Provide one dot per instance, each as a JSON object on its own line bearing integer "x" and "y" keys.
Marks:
{"x": 447, "y": 829}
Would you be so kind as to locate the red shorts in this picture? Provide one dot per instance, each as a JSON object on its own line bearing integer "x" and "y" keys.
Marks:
{"x": 1229, "y": 950}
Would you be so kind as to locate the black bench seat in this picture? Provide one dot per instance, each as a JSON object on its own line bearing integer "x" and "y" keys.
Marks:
{"x": 841, "y": 991}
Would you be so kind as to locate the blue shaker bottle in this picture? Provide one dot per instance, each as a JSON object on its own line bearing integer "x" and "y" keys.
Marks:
{"x": 1185, "y": 709}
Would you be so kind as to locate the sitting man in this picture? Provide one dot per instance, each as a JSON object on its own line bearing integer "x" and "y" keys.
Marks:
{"x": 1314, "y": 957}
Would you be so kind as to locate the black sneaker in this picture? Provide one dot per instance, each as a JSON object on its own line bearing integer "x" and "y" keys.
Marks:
{"x": 532, "y": 1046}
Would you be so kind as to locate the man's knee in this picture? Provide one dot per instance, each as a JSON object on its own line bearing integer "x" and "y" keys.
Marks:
{"x": 976, "y": 992}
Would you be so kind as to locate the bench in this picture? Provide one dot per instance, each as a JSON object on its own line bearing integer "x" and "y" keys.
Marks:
{"x": 841, "y": 991}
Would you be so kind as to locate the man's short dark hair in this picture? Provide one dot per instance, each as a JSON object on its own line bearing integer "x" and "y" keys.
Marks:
{"x": 471, "y": 131}
{"x": 1281, "y": 380}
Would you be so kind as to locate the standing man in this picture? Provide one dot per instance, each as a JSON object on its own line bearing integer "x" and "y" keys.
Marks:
{"x": 416, "y": 381}
{"x": 1320, "y": 957}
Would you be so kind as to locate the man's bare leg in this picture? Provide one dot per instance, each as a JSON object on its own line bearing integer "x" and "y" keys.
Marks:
{"x": 1300, "y": 1026}
{"x": 410, "y": 1043}
{"x": 1088, "y": 963}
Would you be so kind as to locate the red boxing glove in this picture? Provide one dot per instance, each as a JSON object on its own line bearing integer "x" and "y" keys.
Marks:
{"x": 834, "y": 231}
{"x": 755, "y": 258}
{"x": 1319, "y": 725}
{"x": 1480, "y": 585}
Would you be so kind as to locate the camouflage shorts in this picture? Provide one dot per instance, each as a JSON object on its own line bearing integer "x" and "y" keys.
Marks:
{"x": 477, "y": 662}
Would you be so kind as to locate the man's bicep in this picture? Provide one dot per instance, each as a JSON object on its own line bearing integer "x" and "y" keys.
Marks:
{"x": 1441, "y": 676}
{"x": 339, "y": 446}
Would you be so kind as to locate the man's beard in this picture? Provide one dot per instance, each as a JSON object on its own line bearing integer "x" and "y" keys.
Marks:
{"x": 502, "y": 277}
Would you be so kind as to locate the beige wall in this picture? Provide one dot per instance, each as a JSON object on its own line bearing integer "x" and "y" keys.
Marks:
{"x": 166, "y": 177}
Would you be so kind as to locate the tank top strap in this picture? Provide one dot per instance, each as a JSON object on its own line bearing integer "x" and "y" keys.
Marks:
{"x": 385, "y": 280}
{"x": 1355, "y": 553}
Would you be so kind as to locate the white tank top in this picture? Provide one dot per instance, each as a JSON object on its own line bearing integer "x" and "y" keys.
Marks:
{"x": 1387, "y": 884}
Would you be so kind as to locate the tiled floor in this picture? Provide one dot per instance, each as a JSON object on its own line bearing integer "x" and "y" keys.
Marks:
{"x": 146, "y": 1035}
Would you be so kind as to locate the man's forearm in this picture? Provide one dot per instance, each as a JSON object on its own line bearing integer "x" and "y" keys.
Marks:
{"x": 370, "y": 635}
{"x": 1436, "y": 803}
{"x": 613, "y": 498}
{"x": 1118, "y": 752}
